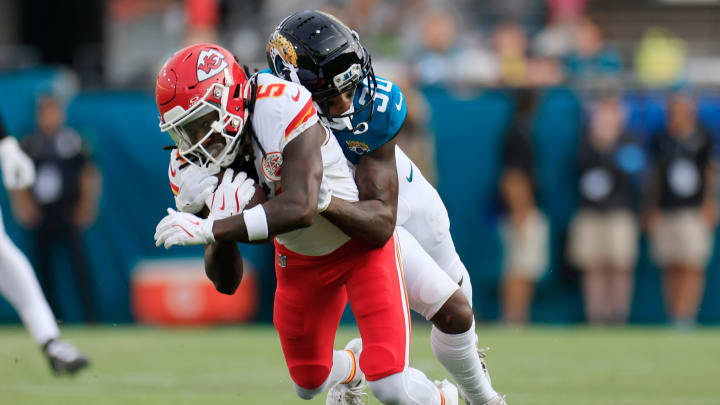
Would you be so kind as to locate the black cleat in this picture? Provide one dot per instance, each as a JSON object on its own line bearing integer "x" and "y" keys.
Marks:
{"x": 64, "y": 358}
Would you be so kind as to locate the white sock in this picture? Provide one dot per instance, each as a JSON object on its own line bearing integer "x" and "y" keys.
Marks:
{"x": 20, "y": 287}
{"x": 342, "y": 370}
{"x": 410, "y": 387}
{"x": 458, "y": 353}
{"x": 345, "y": 368}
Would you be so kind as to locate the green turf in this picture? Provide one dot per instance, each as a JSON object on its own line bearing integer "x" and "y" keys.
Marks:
{"x": 244, "y": 365}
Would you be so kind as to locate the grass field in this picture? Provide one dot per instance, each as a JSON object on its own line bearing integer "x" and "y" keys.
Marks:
{"x": 244, "y": 365}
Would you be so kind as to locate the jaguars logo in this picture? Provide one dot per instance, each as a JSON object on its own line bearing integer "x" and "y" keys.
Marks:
{"x": 283, "y": 57}
{"x": 358, "y": 147}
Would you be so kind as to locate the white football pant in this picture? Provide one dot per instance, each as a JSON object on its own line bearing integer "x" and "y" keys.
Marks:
{"x": 20, "y": 287}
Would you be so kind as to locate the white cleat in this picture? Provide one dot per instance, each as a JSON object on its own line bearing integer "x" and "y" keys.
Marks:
{"x": 352, "y": 393}
{"x": 448, "y": 391}
{"x": 498, "y": 400}
{"x": 483, "y": 353}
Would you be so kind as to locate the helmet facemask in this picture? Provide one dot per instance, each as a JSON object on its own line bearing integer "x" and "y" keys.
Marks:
{"x": 345, "y": 81}
{"x": 206, "y": 134}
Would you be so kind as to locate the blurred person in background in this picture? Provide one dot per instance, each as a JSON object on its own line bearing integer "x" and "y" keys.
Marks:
{"x": 511, "y": 45}
{"x": 18, "y": 283}
{"x": 603, "y": 233}
{"x": 525, "y": 230}
{"x": 64, "y": 200}
{"x": 445, "y": 58}
{"x": 203, "y": 17}
{"x": 515, "y": 66}
{"x": 683, "y": 208}
{"x": 660, "y": 58}
{"x": 591, "y": 57}
{"x": 556, "y": 38}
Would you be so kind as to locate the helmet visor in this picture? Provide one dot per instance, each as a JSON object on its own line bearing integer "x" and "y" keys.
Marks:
{"x": 195, "y": 128}
{"x": 201, "y": 136}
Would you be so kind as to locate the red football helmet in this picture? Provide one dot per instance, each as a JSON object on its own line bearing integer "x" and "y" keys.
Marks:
{"x": 200, "y": 94}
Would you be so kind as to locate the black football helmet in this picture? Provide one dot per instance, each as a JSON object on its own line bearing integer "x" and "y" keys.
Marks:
{"x": 321, "y": 53}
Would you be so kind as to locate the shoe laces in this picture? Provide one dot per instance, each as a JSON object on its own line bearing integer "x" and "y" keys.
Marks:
{"x": 356, "y": 395}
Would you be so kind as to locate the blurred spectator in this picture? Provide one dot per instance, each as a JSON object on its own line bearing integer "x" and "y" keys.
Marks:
{"x": 603, "y": 234}
{"x": 556, "y": 38}
{"x": 591, "y": 58}
{"x": 660, "y": 58}
{"x": 510, "y": 42}
{"x": 514, "y": 65}
{"x": 63, "y": 200}
{"x": 203, "y": 17}
{"x": 683, "y": 208}
{"x": 525, "y": 231}
{"x": 446, "y": 59}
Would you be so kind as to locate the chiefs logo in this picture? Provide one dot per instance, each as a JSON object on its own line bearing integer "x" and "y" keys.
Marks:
{"x": 358, "y": 147}
{"x": 271, "y": 163}
{"x": 209, "y": 63}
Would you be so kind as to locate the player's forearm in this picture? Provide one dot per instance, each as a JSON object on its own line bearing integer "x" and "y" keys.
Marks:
{"x": 284, "y": 213}
{"x": 224, "y": 266}
{"x": 370, "y": 221}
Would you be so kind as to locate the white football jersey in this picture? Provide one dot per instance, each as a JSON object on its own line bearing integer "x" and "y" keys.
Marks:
{"x": 283, "y": 110}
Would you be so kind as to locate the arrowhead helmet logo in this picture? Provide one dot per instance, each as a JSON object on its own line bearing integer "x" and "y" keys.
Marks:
{"x": 210, "y": 62}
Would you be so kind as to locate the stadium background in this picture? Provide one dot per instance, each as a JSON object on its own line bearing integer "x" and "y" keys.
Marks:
{"x": 115, "y": 112}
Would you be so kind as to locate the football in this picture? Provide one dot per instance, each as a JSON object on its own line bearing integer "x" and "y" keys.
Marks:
{"x": 258, "y": 198}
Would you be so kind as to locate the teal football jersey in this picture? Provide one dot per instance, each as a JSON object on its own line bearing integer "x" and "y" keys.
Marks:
{"x": 388, "y": 117}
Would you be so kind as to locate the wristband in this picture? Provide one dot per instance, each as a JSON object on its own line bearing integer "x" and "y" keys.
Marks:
{"x": 256, "y": 223}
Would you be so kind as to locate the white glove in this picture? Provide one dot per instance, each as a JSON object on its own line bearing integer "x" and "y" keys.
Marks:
{"x": 324, "y": 196}
{"x": 196, "y": 184}
{"x": 17, "y": 168}
{"x": 183, "y": 229}
{"x": 231, "y": 196}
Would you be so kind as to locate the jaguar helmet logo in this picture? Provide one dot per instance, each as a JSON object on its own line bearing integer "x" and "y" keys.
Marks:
{"x": 283, "y": 57}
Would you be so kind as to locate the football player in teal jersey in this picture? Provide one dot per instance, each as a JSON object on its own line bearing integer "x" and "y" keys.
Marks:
{"x": 365, "y": 113}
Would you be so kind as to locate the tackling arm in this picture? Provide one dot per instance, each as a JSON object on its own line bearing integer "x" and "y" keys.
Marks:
{"x": 296, "y": 206}
{"x": 372, "y": 219}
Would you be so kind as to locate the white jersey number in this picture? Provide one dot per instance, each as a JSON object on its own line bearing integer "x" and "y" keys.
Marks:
{"x": 382, "y": 85}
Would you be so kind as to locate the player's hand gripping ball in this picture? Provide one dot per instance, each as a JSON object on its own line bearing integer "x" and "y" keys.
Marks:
{"x": 257, "y": 197}
{"x": 231, "y": 196}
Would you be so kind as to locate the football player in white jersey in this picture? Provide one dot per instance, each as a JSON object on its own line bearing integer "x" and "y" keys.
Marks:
{"x": 210, "y": 108}
{"x": 365, "y": 113}
{"x": 18, "y": 283}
